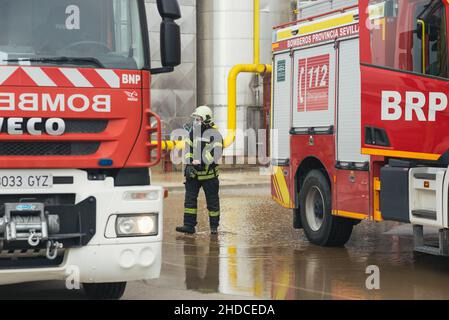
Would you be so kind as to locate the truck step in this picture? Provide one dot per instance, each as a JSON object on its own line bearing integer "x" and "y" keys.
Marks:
{"x": 429, "y": 250}
{"x": 425, "y": 214}
{"x": 443, "y": 239}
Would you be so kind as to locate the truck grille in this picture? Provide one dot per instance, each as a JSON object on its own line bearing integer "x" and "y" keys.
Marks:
{"x": 48, "y": 148}
{"x": 74, "y": 126}
{"x": 28, "y": 258}
{"x": 85, "y": 126}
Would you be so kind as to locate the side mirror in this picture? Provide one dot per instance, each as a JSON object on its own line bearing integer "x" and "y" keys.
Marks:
{"x": 170, "y": 39}
{"x": 170, "y": 43}
{"x": 169, "y": 9}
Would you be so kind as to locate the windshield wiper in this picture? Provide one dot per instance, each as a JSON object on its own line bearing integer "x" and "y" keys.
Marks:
{"x": 60, "y": 60}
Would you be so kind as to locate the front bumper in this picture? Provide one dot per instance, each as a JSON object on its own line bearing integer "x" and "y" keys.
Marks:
{"x": 105, "y": 258}
{"x": 96, "y": 263}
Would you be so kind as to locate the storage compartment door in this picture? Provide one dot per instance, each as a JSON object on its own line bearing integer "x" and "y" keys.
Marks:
{"x": 281, "y": 123}
{"x": 349, "y": 133}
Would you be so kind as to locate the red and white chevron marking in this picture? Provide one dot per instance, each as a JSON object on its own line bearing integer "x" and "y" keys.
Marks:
{"x": 59, "y": 77}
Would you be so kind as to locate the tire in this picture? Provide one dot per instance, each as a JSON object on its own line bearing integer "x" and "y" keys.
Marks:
{"x": 104, "y": 291}
{"x": 315, "y": 202}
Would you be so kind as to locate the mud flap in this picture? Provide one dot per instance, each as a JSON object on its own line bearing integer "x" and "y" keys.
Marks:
{"x": 297, "y": 224}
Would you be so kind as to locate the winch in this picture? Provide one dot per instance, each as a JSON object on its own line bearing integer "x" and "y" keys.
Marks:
{"x": 30, "y": 222}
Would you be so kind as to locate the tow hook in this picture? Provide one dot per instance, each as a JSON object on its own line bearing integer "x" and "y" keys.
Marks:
{"x": 52, "y": 249}
{"x": 34, "y": 239}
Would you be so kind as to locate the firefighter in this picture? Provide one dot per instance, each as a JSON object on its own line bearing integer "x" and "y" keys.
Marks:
{"x": 204, "y": 147}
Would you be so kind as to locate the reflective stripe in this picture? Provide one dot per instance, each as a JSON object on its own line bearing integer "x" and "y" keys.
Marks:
{"x": 189, "y": 142}
{"x": 6, "y": 73}
{"x": 215, "y": 173}
{"x": 189, "y": 156}
{"x": 39, "y": 77}
{"x": 209, "y": 176}
{"x": 190, "y": 211}
{"x": 208, "y": 172}
{"x": 110, "y": 77}
{"x": 209, "y": 157}
{"x": 214, "y": 214}
{"x": 76, "y": 78}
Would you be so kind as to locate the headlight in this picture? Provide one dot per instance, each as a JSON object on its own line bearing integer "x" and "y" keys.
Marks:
{"x": 137, "y": 225}
{"x": 152, "y": 195}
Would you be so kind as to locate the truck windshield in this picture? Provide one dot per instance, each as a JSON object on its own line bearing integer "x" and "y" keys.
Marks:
{"x": 410, "y": 35}
{"x": 106, "y": 31}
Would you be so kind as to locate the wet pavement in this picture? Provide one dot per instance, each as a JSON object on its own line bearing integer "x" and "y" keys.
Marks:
{"x": 257, "y": 255}
{"x": 229, "y": 179}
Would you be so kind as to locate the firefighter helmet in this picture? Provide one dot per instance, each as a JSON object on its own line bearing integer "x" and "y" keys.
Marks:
{"x": 204, "y": 112}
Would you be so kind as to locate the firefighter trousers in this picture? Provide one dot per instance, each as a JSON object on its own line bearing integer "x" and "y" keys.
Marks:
{"x": 211, "y": 190}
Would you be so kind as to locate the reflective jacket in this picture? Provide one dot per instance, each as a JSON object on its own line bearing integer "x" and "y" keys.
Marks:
{"x": 206, "y": 145}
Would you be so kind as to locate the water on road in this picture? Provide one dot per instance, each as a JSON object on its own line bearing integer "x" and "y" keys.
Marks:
{"x": 258, "y": 255}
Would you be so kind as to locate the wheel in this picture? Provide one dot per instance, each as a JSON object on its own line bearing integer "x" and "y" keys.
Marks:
{"x": 315, "y": 202}
{"x": 105, "y": 291}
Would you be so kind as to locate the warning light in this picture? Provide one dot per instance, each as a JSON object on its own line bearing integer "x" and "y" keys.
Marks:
{"x": 426, "y": 184}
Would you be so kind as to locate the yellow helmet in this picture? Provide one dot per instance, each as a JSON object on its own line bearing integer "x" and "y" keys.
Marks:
{"x": 204, "y": 112}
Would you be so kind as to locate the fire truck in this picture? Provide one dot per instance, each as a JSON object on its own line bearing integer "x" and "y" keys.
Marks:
{"x": 359, "y": 118}
{"x": 76, "y": 200}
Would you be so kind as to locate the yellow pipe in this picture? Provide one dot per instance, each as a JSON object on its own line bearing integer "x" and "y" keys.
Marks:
{"x": 170, "y": 145}
{"x": 232, "y": 95}
{"x": 256, "y": 36}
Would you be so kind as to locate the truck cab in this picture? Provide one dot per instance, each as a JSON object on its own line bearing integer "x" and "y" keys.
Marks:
{"x": 406, "y": 42}
{"x": 76, "y": 132}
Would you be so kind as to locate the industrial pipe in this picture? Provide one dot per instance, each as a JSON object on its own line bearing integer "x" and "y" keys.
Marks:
{"x": 232, "y": 95}
{"x": 256, "y": 33}
{"x": 256, "y": 67}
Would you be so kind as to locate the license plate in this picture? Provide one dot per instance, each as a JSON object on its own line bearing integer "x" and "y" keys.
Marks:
{"x": 26, "y": 181}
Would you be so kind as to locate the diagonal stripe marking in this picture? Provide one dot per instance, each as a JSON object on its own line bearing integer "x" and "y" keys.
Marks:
{"x": 6, "y": 73}
{"x": 110, "y": 77}
{"x": 76, "y": 78}
{"x": 39, "y": 77}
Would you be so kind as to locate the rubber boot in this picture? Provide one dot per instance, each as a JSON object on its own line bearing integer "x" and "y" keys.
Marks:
{"x": 186, "y": 229}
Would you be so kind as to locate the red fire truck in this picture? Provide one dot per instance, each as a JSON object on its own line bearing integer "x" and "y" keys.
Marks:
{"x": 360, "y": 119}
{"x": 75, "y": 129}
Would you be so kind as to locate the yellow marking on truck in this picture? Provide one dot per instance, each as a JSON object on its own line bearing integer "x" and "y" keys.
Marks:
{"x": 276, "y": 190}
{"x": 352, "y": 215}
{"x": 327, "y": 24}
{"x": 315, "y": 27}
{"x": 285, "y": 34}
{"x": 377, "y": 187}
{"x": 401, "y": 154}
{"x": 283, "y": 187}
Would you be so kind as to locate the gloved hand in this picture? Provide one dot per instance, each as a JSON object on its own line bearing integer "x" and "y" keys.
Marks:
{"x": 200, "y": 167}
{"x": 190, "y": 172}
